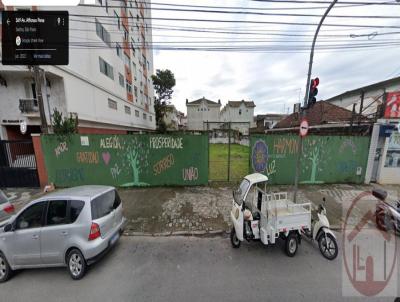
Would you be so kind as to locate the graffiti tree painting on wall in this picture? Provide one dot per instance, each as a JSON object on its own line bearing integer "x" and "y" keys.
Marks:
{"x": 314, "y": 151}
{"x": 136, "y": 156}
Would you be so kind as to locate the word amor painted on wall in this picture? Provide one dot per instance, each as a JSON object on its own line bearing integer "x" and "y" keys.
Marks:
{"x": 61, "y": 148}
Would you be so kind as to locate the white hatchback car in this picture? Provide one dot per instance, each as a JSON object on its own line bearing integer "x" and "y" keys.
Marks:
{"x": 72, "y": 227}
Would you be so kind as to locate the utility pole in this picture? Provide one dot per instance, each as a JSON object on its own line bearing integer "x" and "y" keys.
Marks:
{"x": 39, "y": 96}
{"x": 302, "y": 112}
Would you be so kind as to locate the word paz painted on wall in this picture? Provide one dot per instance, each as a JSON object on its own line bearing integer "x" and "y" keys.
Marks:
{"x": 115, "y": 171}
{"x": 87, "y": 157}
{"x": 164, "y": 164}
{"x": 166, "y": 142}
{"x": 65, "y": 176}
{"x": 110, "y": 143}
{"x": 284, "y": 146}
{"x": 271, "y": 168}
{"x": 190, "y": 174}
{"x": 61, "y": 148}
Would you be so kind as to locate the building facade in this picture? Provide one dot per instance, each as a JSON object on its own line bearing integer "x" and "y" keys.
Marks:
{"x": 268, "y": 121}
{"x": 108, "y": 86}
{"x": 240, "y": 114}
{"x": 200, "y": 112}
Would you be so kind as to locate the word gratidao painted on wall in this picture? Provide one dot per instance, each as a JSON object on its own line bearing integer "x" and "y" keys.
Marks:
{"x": 166, "y": 142}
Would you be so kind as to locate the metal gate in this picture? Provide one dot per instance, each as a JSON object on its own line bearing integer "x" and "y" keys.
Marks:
{"x": 18, "y": 164}
{"x": 228, "y": 145}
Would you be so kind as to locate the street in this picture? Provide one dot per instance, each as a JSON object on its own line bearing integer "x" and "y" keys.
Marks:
{"x": 189, "y": 269}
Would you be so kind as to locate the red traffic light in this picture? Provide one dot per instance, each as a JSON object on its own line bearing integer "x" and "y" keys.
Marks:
{"x": 314, "y": 83}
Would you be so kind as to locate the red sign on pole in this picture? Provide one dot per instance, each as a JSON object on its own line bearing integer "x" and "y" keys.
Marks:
{"x": 303, "y": 128}
{"x": 393, "y": 105}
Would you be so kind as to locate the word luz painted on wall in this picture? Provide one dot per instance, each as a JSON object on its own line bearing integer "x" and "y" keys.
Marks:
{"x": 165, "y": 142}
{"x": 164, "y": 164}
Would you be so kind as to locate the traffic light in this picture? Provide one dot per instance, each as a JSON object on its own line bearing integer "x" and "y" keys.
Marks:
{"x": 313, "y": 92}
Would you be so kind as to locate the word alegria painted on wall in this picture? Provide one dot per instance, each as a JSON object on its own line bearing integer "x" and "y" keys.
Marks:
{"x": 112, "y": 142}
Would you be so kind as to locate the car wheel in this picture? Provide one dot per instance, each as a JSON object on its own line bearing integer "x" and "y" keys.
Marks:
{"x": 76, "y": 264}
{"x": 291, "y": 245}
{"x": 5, "y": 269}
{"x": 380, "y": 221}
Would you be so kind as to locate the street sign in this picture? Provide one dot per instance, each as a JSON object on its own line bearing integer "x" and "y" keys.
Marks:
{"x": 23, "y": 127}
{"x": 303, "y": 128}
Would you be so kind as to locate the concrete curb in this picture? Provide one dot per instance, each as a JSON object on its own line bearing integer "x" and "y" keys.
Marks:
{"x": 178, "y": 233}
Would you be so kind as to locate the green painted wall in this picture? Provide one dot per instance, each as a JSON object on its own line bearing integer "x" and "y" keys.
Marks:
{"x": 325, "y": 159}
{"x": 126, "y": 160}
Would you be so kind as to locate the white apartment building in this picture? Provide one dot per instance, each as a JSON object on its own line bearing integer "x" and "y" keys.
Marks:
{"x": 241, "y": 114}
{"x": 108, "y": 86}
{"x": 200, "y": 112}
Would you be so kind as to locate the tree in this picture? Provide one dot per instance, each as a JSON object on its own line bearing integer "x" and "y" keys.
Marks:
{"x": 66, "y": 125}
{"x": 163, "y": 82}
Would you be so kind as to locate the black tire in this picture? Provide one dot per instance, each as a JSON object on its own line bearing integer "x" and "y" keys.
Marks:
{"x": 291, "y": 244}
{"x": 76, "y": 264}
{"x": 5, "y": 269}
{"x": 329, "y": 252}
{"x": 234, "y": 240}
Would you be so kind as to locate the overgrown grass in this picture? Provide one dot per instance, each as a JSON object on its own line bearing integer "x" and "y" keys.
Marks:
{"x": 239, "y": 162}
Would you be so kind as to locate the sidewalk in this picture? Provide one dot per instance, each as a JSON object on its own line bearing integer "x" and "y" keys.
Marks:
{"x": 206, "y": 210}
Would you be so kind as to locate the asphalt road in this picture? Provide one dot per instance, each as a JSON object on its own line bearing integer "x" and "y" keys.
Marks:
{"x": 188, "y": 269}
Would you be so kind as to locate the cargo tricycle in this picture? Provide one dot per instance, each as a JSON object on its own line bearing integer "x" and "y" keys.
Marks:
{"x": 258, "y": 215}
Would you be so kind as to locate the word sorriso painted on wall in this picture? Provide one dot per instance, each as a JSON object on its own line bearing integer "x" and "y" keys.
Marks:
{"x": 164, "y": 164}
{"x": 61, "y": 148}
{"x": 190, "y": 174}
{"x": 87, "y": 157}
{"x": 110, "y": 143}
{"x": 165, "y": 142}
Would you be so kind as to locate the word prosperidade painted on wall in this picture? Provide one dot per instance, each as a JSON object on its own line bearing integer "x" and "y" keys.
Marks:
{"x": 325, "y": 159}
{"x": 127, "y": 160}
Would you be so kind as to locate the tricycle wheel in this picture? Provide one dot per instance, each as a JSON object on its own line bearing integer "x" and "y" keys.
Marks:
{"x": 234, "y": 240}
{"x": 291, "y": 245}
{"x": 328, "y": 246}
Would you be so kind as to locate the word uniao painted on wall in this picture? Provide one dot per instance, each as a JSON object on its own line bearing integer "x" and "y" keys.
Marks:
{"x": 190, "y": 174}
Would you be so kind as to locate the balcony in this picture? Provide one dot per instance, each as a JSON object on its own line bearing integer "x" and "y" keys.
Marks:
{"x": 28, "y": 106}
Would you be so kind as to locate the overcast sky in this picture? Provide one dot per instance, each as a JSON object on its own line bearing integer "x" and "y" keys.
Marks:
{"x": 274, "y": 81}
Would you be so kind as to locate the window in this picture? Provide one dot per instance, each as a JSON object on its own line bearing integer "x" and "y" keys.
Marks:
{"x": 127, "y": 61}
{"x": 128, "y": 110}
{"x": 393, "y": 152}
{"x": 104, "y": 204}
{"x": 118, "y": 49}
{"x": 144, "y": 116}
{"x": 128, "y": 87}
{"x": 121, "y": 79}
{"x": 240, "y": 111}
{"x": 150, "y": 118}
{"x": 112, "y": 104}
{"x": 57, "y": 212}
{"x": 118, "y": 20}
{"x": 106, "y": 68}
{"x": 126, "y": 35}
{"x": 137, "y": 113}
{"x": 135, "y": 90}
{"x": 134, "y": 70}
{"x": 102, "y": 33}
{"x": 133, "y": 46}
{"x": 106, "y": 1}
{"x": 148, "y": 65}
{"x": 76, "y": 207}
{"x": 31, "y": 217}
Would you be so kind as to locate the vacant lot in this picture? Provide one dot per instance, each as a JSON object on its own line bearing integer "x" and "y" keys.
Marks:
{"x": 239, "y": 162}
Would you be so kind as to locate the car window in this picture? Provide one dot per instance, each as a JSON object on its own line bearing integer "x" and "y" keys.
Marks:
{"x": 3, "y": 198}
{"x": 57, "y": 212}
{"x": 104, "y": 204}
{"x": 31, "y": 217}
{"x": 76, "y": 209}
